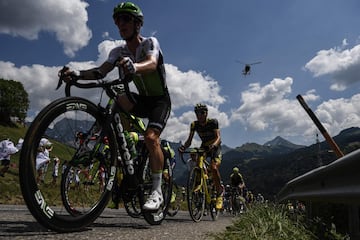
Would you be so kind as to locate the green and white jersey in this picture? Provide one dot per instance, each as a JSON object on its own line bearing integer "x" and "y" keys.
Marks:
{"x": 149, "y": 84}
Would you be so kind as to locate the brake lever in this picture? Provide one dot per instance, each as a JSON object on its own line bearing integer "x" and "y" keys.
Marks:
{"x": 61, "y": 74}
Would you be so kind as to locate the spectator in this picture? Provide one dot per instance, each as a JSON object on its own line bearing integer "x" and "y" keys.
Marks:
{"x": 7, "y": 149}
{"x": 42, "y": 159}
{"x": 55, "y": 173}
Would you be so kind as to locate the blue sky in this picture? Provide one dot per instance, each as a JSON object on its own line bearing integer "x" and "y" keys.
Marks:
{"x": 306, "y": 47}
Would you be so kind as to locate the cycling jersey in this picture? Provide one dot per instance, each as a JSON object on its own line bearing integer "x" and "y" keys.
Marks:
{"x": 149, "y": 84}
{"x": 206, "y": 132}
{"x": 236, "y": 179}
{"x": 153, "y": 101}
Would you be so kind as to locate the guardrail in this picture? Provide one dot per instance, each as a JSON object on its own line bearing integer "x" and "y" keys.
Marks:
{"x": 337, "y": 182}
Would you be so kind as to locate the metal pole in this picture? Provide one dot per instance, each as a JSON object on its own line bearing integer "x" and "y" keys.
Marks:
{"x": 321, "y": 128}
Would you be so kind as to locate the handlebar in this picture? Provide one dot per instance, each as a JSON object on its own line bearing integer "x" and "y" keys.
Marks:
{"x": 191, "y": 150}
{"x": 99, "y": 84}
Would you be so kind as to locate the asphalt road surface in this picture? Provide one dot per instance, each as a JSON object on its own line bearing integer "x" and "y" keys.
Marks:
{"x": 16, "y": 222}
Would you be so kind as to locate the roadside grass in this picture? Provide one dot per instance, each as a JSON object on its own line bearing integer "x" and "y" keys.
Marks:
{"x": 274, "y": 222}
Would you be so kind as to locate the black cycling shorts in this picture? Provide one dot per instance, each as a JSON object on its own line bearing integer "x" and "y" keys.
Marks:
{"x": 155, "y": 108}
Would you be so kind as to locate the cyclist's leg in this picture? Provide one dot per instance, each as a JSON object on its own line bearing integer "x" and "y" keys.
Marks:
{"x": 157, "y": 109}
{"x": 152, "y": 141}
{"x": 215, "y": 164}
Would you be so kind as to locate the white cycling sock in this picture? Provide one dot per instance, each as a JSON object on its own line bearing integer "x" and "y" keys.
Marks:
{"x": 156, "y": 182}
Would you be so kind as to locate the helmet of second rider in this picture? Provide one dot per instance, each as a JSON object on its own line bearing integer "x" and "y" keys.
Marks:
{"x": 200, "y": 108}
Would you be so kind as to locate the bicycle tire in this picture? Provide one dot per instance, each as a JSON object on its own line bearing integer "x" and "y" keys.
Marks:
{"x": 196, "y": 200}
{"x": 78, "y": 197}
{"x": 156, "y": 217}
{"x": 214, "y": 212}
{"x": 236, "y": 205}
{"x": 175, "y": 203}
{"x": 57, "y": 122}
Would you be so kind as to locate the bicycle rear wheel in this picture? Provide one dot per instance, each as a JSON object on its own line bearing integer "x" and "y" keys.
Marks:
{"x": 195, "y": 195}
{"x": 64, "y": 206}
{"x": 133, "y": 207}
{"x": 175, "y": 201}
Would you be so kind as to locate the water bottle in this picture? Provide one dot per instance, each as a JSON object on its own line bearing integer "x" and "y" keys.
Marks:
{"x": 131, "y": 139}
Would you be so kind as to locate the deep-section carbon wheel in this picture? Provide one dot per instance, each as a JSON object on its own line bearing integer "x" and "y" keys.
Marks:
{"x": 87, "y": 151}
{"x": 195, "y": 195}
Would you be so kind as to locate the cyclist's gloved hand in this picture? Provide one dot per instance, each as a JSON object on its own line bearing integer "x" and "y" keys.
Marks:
{"x": 66, "y": 75}
{"x": 128, "y": 65}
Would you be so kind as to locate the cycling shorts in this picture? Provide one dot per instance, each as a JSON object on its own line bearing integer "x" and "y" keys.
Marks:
{"x": 215, "y": 155}
{"x": 155, "y": 108}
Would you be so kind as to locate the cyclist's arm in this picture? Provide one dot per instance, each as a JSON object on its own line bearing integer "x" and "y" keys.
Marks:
{"x": 189, "y": 139}
{"x": 146, "y": 66}
{"x": 217, "y": 140}
{"x": 97, "y": 73}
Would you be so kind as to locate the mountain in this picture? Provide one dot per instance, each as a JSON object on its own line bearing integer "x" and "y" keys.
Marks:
{"x": 267, "y": 168}
{"x": 279, "y": 141}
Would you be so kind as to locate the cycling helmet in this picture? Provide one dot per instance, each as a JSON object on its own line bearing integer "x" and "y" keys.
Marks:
{"x": 129, "y": 8}
{"x": 235, "y": 170}
{"x": 200, "y": 107}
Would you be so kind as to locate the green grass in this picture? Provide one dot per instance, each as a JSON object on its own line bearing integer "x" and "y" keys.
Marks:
{"x": 274, "y": 222}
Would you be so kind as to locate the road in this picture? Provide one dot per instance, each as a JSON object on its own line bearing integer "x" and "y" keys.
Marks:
{"x": 16, "y": 222}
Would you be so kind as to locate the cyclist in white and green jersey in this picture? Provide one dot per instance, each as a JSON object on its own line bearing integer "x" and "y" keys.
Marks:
{"x": 141, "y": 57}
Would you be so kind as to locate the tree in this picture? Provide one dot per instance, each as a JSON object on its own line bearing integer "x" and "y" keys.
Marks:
{"x": 14, "y": 102}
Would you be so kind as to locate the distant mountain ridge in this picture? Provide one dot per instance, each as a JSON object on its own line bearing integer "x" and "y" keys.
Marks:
{"x": 279, "y": 141}
{"x": 267, "y": 168}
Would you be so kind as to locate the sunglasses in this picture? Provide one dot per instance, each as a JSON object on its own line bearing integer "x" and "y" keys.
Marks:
{"x": 123, "y": 18}
{"x": 201, "y": 112}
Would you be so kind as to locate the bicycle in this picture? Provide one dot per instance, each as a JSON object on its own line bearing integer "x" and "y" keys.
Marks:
{"x": 79, "y": 200}
{"x": 237, "y": 201}
{"x": 201, "y": 193}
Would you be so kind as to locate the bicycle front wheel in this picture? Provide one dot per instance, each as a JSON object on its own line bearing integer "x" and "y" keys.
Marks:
{"x": 74, "y": 201}
{"x": 195, "y": 195}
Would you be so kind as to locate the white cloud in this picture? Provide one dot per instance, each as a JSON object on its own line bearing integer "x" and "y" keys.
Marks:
{"x": 66, "y": 18}
{"x": 267, "y": 109}
{"x": 339, "y": 114}
{"x": 263, "y": 109}
{"x": 191, "y": 87}
{"x": 343, "y": 65}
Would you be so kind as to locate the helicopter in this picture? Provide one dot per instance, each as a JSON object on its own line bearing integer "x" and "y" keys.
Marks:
{"x": 247, "y": 67}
